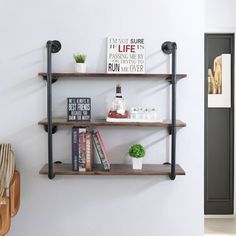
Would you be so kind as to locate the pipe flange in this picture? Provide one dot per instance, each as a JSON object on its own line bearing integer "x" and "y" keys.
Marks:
{"x": 167, "y": 47}
{"x": 55, "y": 45}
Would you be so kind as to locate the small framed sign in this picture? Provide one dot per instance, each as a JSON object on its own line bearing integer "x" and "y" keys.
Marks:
{"x": 125, "y": 55}
{"x": 78, "y": 109}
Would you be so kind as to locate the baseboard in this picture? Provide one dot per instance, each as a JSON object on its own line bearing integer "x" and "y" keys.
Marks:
{"x": 219, "y": 216}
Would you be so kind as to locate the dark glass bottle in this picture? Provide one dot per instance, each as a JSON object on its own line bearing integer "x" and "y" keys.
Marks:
{"x": 118, "y": 105}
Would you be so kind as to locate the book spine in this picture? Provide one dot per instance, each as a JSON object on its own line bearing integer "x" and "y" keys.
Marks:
{"x": 103, "y": 147}
{"x": 82, "y": 149}
{"x": 97, "y": 145}
{"x": 89, "y": 152}
{"x": 75, "y": 164}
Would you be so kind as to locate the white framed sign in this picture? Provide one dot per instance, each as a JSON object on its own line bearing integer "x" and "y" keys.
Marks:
{"x": 125, "y": 55}
{"x": 219, "y": 82}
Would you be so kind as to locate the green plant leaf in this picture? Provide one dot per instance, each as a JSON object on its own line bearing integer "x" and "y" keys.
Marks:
{"x": 79, "y": 58}
{"x": 137, "y": 151}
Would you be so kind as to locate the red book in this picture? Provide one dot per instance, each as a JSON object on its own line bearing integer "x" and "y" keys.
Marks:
{"x": 101, "y": 156}
{"x": 103, "y": 147}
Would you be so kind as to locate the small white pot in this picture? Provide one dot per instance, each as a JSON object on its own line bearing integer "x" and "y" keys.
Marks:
{"x": 137, "y": 163}
{"x": 80, "y": 67}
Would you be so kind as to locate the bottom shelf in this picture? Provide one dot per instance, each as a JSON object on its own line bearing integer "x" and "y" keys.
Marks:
{"x": 116, "y": 169}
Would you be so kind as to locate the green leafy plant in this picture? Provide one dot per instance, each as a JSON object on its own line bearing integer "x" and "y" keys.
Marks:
{"x": 137, "y": 151}
{"x": 80, "y": 58}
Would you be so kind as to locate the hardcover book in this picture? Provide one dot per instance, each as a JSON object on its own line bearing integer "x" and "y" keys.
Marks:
{"x": 89, "y": 152}
{"x": 75, "y": 139}
{"x": 100, "y": 148}
{"x": 82, "y": 149}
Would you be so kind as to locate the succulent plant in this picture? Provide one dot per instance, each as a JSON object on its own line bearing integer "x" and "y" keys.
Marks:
{"x": 79, "y": 58}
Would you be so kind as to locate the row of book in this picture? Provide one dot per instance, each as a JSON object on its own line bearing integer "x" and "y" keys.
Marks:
{"x": 83, "y": 144}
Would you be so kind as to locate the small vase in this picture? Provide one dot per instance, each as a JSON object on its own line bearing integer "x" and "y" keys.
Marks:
{"x": 80, "y": 67}
{"x": 137, "y": 163}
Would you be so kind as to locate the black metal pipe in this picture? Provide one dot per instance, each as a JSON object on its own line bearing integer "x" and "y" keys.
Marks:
{"x": 170, "y": 48}
{"x": 52, "y": 47}
{"x": 173, "y": 118}
{"x": 49, "y": 109}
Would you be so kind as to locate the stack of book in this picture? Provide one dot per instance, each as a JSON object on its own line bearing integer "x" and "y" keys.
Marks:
{"x": 82, "y": 150}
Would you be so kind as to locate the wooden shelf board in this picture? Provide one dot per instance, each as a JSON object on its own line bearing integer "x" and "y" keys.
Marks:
{"x": 116, "y": 169}
{"x": 101, "y": 122}
{"x": 110, "y": 75}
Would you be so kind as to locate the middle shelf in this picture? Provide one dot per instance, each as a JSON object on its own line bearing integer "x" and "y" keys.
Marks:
{"x": 103, "y": 122}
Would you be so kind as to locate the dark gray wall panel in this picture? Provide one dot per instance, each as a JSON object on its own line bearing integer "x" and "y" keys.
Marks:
{"x": 218, "y": 154}
{"x": 219, "y": 126}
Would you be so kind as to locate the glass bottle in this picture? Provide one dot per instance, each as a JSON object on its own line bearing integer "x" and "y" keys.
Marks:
{"x": 133, "y": 113}
{"x": 118, "y": 105}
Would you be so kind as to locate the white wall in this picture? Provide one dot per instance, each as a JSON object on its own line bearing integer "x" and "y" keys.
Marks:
{"x": 220, "y": 15}
{"x": 124, "y": 206}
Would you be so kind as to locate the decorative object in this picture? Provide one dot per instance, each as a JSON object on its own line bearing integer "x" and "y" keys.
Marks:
{"x": 80, "y": 65}
{"x": 118, "y": 106}
{"x": 5, "y": 218}
{"x": 139, "y": 114}
{"x": 125, "y": 55}
{"x": 144, "y": 114}
{"x": 219, "y": 85}
{"x": 15, "y": 193}
{"x": 137, "y": 152}
{"x": 78, "y": 109}
{"x": 9, "y": 188}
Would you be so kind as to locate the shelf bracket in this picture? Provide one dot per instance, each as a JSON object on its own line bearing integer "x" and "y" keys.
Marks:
{"x": 170, "y": 130}
{"x": 170, "y": 48}
{"x": 169, "y": 79}
{"x": 54, "y": 129}
{"x": 54, "y": 79}
{"x": 53, "y": 46}
{"x": 57, "y": 162}
{"x": 171, "y": 175}
{"x": 166, "y": 163}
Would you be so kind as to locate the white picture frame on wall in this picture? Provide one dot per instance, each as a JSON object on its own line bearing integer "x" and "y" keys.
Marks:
{"x": 221, "y": 98}
{"x": 125, "y": 55}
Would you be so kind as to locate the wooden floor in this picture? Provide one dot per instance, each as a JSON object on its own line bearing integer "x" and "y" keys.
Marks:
{"x": 220, "y": 227}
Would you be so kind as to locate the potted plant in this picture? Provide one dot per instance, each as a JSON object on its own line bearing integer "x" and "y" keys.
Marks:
{"x": 80, "y": 65}
{"x": 137, "y": 152}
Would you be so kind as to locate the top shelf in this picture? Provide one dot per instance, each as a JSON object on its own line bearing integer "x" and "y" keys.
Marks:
{"x": 111, "y": 75}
